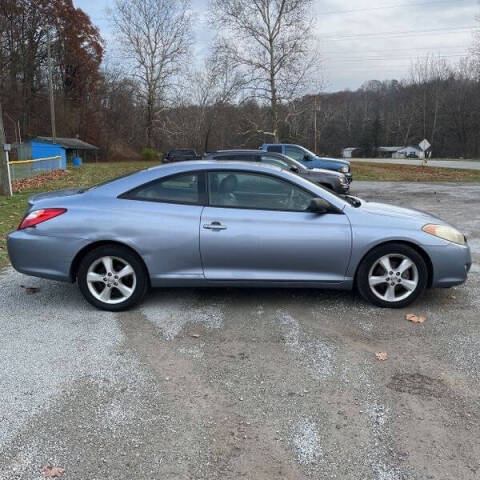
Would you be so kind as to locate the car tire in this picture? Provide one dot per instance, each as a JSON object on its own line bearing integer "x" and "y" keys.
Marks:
{"x": 397, "y": 286}
{"x": 112, "y": 278}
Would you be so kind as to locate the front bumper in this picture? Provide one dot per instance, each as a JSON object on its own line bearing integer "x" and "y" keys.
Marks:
{"x": 451, "y": 264}
{"x": 42, "y": 256}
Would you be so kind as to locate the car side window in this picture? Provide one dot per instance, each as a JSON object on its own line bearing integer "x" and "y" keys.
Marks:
{"x": 181, "y": 188}
{"x": 274, "y": 148}
{"x": 295, "y": 153}
{"x": 255, "y": 191}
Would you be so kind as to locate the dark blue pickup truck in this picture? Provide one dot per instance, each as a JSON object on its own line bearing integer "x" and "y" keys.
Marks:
{"x": 309, "y": 159}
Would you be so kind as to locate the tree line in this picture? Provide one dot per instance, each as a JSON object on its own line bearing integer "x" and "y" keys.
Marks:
{"x": 259, "y": 83}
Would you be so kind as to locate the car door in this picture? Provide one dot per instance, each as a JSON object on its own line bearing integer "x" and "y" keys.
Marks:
{"x": 257, "y": 227}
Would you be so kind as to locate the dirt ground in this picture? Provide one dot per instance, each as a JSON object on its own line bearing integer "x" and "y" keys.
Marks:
{"x": 246, "y": 384}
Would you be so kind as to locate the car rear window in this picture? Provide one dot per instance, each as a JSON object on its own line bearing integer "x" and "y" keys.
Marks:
{"x": 182, "y": 152}
{"x": 181, "y": 188}
{"x": 274, "y": 148}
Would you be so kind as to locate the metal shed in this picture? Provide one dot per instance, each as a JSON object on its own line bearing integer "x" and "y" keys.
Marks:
{"x": 74, "y": 147}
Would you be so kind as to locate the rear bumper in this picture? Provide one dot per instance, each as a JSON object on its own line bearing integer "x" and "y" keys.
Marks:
{"x": 451, "y": 264}
{"x": 41, "y": 255}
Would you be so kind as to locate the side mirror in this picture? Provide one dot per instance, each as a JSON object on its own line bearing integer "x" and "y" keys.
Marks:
{"x": 307, "y": 158}
{"x": 294, "y": 168}
{"x": 319, "y": 205}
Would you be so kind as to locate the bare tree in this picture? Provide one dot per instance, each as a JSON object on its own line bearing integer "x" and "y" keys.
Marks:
{"x": 475, "y": 49}
{"x": 156, "y": 36}
{"x": 215, "y": 85}
{"x": 270, "y": 41}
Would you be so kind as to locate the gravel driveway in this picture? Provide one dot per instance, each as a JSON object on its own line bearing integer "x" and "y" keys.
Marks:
{"x": 246, "y": 384}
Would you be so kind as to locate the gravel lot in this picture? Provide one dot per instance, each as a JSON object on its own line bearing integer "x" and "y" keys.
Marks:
{"x": 254, "y": 384}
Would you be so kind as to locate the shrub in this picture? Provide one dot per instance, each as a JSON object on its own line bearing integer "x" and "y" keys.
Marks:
{"x": 150, "y": 155}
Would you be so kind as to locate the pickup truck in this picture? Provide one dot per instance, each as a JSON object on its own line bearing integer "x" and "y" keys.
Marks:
{"x": 309, "y": 159}
{"x": 180, "y": 155}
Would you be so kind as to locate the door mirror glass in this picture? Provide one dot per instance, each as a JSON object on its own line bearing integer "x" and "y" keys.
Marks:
{"x": 319, "y": 205}
{"x": 294, "y": 169}
{"x": 307, "y": 158}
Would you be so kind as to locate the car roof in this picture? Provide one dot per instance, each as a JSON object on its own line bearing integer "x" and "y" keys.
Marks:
{"x": 245, "y": 151}
{"x": 206, "y": 164}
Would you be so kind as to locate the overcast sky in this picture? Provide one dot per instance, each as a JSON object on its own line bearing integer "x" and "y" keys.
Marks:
{"x": 358, "y": 40}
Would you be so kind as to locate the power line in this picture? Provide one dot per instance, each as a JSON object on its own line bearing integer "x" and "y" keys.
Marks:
{"x": 400, "y": 33}
{"x": 387, "y": 7}
{"x": 440, "y": 47}
{"x": 389, "y": 59}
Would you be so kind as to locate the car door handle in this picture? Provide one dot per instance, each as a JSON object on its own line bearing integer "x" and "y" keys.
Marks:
{"x": 215, "y": 226}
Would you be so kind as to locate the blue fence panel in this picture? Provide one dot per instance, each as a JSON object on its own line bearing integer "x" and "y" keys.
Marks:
{"x": 43, "y": 150}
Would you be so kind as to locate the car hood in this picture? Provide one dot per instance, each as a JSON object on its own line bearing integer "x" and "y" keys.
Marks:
{"x": 388, "y": 210}
{"x": 324, "y": 171}
{"x": 67, "y": 192}
{"x": 336, "y": 160}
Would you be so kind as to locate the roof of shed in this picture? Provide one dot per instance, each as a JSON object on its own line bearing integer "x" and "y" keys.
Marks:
{"x": 71, "y": 143}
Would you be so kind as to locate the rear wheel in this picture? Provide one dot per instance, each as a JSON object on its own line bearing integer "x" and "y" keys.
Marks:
{"x": 392, "y": 276}
{"x": 112, "y": 278}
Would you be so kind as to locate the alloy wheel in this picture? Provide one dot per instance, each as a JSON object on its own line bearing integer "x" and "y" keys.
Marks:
{"x": 393, "y": 277}
{"x": 111, "y": 280}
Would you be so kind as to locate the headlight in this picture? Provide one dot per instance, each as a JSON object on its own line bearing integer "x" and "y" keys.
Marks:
{"x": 342, "y": 179}
{"x": 445, "y": 232}
{"x": 344, "y": 169}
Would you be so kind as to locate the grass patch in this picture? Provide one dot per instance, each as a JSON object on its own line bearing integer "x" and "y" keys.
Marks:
{"x": 410, "y": 173}
{"x": 12, "y": 209}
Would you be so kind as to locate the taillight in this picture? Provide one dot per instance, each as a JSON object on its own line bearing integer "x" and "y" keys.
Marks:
{"x": 39, "y": 216}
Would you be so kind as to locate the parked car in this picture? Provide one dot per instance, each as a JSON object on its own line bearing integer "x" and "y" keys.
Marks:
{"x": 211, "y": 223}
{"x": 335, "y": 181}
{"x": 180, "y": 155}
{"x": 308, "y": 158}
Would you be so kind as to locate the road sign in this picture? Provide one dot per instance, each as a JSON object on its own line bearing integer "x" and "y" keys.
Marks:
{"x": 424, "y": 144}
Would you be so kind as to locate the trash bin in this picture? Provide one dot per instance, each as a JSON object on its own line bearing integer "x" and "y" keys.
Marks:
{"x": 77, "y": 162}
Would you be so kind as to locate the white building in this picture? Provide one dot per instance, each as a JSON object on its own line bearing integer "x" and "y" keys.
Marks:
{"x": 412, "y": 151}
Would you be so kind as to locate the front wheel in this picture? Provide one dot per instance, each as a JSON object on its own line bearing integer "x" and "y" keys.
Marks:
{"x": 392, "y": 276}
{"x": 112, "y": 278}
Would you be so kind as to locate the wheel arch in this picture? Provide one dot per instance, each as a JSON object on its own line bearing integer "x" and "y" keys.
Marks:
{"x": 101, "y": 243}
{"x": 417, "y": 248}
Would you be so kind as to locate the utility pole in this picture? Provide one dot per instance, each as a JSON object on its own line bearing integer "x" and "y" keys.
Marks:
{"x": 4, "y": 177}
{"x": 315, "y": 127}
{"x": 50, "y": 87}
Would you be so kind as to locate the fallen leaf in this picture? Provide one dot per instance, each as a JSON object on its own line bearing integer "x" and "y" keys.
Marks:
{"x": 30, "y": 290}
{"x": 52, "y": 472}
{"x": 381, "y": 356}
{"x": 37, "y": 181}
{"x": 411, "y": 317}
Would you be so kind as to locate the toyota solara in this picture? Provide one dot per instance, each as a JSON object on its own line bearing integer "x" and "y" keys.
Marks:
{"x": 208, "y": 223}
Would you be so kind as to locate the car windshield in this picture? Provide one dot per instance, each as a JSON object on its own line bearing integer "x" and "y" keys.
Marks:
{"x": 308, "y": 152}
{"x": 295, "y": 163}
